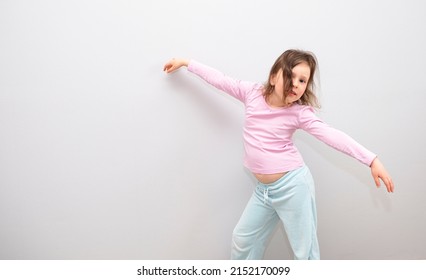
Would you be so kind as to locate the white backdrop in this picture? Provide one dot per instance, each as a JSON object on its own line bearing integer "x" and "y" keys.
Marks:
{"x": 103, "y": 156}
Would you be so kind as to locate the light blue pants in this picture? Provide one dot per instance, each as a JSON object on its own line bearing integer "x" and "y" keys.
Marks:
{"x": 290, "y": 199}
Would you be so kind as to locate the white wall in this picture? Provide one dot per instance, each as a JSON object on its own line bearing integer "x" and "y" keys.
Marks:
{"x": 103, "y": 156}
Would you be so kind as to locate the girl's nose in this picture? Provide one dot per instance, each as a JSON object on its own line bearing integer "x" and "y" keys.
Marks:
{"x": 295, "y": 84}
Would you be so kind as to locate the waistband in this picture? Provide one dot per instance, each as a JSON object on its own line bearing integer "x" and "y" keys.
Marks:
{"x": 280, "y": 182}
{"x": 288, "y": 176}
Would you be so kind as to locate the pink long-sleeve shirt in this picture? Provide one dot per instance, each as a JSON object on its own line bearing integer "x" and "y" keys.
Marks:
{"x": 268, "y": 131}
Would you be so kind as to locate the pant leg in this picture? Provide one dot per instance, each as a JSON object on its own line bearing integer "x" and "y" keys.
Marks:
{"x": 294, "y": 203}
{"x": 254, "y": 228}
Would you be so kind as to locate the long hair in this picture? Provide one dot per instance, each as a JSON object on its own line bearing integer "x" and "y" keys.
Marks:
{"x": 286, "y": 62}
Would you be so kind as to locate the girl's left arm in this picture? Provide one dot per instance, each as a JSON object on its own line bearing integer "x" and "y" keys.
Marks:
{"x": 346, "y": 144}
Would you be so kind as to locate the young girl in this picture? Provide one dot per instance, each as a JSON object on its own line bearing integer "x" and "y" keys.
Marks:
{"x": 285, "y": 189}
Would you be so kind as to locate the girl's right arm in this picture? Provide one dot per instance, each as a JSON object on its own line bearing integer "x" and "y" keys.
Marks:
{"x": 233, "y": 87}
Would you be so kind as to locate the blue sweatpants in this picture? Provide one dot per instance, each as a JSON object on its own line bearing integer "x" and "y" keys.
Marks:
{"x": 290, "y": 199}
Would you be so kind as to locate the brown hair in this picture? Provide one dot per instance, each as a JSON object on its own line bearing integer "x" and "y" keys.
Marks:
{"x": 287, "y": 61}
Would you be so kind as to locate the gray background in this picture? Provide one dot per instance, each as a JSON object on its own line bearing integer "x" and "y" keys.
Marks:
{"x": 103, "y": 156}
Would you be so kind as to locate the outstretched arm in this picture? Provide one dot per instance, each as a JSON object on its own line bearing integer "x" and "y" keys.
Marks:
{"x": 235, "y": 88}
{"x": 379, "y": 172}
{"x": 346, "y": 144}
{"x": 174, "y": 64}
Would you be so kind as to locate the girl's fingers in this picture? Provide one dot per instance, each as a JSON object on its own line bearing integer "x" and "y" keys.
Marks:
{"x": 377, "y": 181}
{"x": 168, "y": 67}
{"x": 389, "y": 185}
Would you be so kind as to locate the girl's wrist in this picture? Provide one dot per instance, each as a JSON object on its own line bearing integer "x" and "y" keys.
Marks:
{"x": 185, "y": 62}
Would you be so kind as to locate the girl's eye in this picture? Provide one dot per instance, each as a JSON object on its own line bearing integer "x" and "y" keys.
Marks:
{"x": 302, "y": 81}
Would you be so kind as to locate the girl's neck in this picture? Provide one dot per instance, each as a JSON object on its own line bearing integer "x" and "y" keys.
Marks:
{"x": 276, "y": 102}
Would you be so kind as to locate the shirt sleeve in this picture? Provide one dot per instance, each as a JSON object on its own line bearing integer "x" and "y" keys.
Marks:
{"x": 236, "y": 88}
{"x": 334, "y": 137}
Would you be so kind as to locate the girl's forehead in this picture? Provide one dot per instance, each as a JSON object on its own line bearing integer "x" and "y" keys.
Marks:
{"x": 302, "y": 69}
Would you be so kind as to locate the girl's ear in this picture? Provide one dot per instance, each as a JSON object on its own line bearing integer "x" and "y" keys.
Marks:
{"x": 273, "y": 79}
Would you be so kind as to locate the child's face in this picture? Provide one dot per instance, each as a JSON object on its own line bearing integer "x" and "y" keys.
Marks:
{"x": 300, "y": 77}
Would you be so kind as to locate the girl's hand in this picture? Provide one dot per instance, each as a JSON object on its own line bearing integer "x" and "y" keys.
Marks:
{"x": 174, "y": 64}
{"x": 379, "y": 172}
